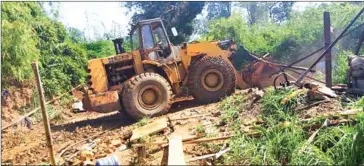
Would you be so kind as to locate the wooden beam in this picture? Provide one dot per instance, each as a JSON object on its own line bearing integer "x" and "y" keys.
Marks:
{"x": 151, "y": 128}
{"x": 328, "y": 61}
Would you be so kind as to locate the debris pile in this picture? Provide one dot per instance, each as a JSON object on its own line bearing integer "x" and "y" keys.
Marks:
{"x": 206, "y": 135}
{"x": 241, "y": 129}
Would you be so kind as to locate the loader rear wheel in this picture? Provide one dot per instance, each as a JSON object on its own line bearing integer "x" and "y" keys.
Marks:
{"x": 210, "y": 79}
{"x": 146, "y": 95}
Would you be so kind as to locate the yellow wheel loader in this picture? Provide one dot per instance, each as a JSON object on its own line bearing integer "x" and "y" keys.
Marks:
{"x": 143, "y": 82}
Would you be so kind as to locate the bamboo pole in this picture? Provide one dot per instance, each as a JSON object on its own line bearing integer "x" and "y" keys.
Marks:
{"x": 44, "y": 112}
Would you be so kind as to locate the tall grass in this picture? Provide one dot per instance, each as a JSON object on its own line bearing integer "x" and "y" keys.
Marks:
{"x": 283, "y": 138}
{"x": 360, "y": 103}
{"x": 341, "y": 67}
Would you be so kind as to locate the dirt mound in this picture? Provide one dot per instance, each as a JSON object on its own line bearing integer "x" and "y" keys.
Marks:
{"x": 14, "y": 99}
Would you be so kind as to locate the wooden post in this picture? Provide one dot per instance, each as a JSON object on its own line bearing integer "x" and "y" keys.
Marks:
{"x": 142, "y": 154}
{"x": 44, "y": 112}
{"x": 327, "y": 36}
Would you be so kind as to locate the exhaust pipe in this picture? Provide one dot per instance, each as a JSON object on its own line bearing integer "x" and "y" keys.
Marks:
{"x": 118, "y": 44}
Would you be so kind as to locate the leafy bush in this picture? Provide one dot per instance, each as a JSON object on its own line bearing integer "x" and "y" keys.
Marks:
{"x": 18, "y": 43}
{"x": 29, "y": 35}
{"x": 300, "y": 35}
{"x": 341, "y": 67}
{"x": 99, "y": 49}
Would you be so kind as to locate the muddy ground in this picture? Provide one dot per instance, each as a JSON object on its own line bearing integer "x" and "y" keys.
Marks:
{"x": 21, "y": 145}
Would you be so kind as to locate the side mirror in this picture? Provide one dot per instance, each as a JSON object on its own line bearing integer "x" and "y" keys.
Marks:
{"x": 174, "y": 31}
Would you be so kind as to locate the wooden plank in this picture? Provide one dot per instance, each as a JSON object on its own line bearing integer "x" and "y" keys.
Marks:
{"x": 175, "y": 151}
{"x": 151, "y": 128}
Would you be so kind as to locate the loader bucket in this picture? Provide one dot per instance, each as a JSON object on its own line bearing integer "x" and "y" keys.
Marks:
{"x": 254, "y": 74}
{"x": 102, "y": 102}
{"x": 257, "y": 74}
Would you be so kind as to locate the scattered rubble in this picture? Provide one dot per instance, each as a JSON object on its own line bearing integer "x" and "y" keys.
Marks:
{"x": 176, "y": 138}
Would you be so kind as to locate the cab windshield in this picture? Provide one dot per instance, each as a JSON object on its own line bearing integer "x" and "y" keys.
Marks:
{"x": 159, "y": 35}
{"x": 134, "y": 40}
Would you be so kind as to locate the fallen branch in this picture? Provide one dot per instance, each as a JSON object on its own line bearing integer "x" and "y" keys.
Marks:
{"x": 196, "y": 116}
{"x": 35, "y": 110}
{"x": 164, "y": 142}
{"x": 200, "y": 157}
{"x": 214, "y": 156}
{"x": 325, "y": 124}
{"x": 338, "y": 114}
{"x": 88, "y": 138}
{"x": 311, "y": 105}
{"x": 312, "y": 137}
{"x": 208, "y": 139}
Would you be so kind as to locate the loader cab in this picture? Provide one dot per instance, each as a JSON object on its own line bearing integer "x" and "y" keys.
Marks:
{"x": 151, "y": 39}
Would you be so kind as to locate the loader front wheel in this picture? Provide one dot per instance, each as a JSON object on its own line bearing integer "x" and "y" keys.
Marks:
{"x": 146, "y": 95}
{"x": 210, "y": 79}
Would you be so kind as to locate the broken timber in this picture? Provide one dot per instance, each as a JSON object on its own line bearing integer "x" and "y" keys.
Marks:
{"x": 151, "y": 128}
{"x": 189, "y": 117}
{"x": 214, "y": 156}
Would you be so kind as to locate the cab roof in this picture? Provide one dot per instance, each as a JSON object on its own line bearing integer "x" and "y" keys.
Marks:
{"x": 134, "y": 27}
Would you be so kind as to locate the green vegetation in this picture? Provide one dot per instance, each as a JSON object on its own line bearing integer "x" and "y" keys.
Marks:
{"x": 28, "y": 35}
{"x": 143, "y": 121}
{"x": 37, "y": 37}
{"x": 283, "y": 138}
{"x": 174, "y": 14}
{"x": 200, "y": 129}
{"x": 341, "y": 67}
{"x": 299, "y": 35}
{"x": 233, "y": 105}
{"x": 99, "y": 49}
{"x": 360, "y": 103}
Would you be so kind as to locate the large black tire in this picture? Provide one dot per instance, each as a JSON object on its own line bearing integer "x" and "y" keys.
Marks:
{"x": 146, "y": 95}
{"x": 210, "y": 79}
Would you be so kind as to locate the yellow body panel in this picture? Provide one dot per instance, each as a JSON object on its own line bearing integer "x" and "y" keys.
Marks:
{"x": 98, "y": 75}
{"x": 138, "y": 65}
{"x": 96, "y": 67}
